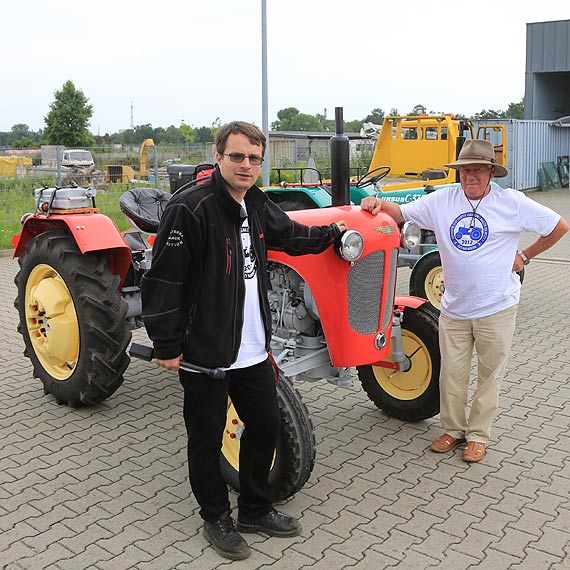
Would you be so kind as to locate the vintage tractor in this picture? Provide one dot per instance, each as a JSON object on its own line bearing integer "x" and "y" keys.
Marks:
{"x": 79, "y": 299}
{"x": 426, "y": 279}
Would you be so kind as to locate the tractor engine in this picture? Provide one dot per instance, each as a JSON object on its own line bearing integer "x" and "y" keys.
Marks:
{"x": 298, "y": 343}
{"x": 292, "y": 306}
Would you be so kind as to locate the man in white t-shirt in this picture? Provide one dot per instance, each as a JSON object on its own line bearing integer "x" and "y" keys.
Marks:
{"x": 477, "y": 225}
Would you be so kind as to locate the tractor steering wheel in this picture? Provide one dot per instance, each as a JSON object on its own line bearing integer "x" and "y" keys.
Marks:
{"x": 369, "y": 180}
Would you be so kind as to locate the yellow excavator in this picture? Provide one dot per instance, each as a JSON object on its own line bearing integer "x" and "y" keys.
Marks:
{"x": 123, "y": 173}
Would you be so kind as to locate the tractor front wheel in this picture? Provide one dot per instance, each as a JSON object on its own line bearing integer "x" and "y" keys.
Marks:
{"x": 412, "y": 395}
{"x": 294, "y": 457}
{"x": 72, "y": 319}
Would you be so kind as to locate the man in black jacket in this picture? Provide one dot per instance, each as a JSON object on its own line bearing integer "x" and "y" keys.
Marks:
{"x": 205, "y": 301}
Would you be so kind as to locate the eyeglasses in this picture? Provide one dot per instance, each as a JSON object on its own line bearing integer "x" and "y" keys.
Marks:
{"x": 238, "y": 157}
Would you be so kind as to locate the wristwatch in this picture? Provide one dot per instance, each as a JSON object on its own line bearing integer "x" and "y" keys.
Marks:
{"x": 524, "y": 258}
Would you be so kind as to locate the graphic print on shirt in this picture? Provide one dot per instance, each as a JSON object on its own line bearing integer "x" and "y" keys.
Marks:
{"x": 469, "y": 231}
{"x": 249, "y": 259}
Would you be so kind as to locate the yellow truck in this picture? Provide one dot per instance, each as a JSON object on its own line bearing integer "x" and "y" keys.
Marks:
{"x": 416, "y": 148}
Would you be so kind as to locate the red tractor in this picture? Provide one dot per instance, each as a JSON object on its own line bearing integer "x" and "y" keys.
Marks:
{"x": 79, "y": 299}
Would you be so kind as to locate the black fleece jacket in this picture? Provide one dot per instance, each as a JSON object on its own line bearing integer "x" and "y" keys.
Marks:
{"x": 193, "y": 295}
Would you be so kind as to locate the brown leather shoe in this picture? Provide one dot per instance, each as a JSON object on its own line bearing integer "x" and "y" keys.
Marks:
{"x": 475, "y": 451}
{"x": 446, "y": 443}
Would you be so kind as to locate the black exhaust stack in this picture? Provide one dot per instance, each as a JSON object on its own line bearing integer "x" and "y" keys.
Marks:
{"x": 459, "y": 142}
{"x": 340, "y": 154}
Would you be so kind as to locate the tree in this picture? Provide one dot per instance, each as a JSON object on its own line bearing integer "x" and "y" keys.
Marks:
{"x": 327, "y": 125}
{"x": 353, "y": 126}
{"x": 291, "y": 120}
{"x": 187, "y": 133}
{"x": 515, "y": 110}
{"x": 204, "y": 135}
{"x": 20, "y": 136}
{"x": 489, "y": 114}
{"x": 21, "y": 130}
{"x": 418, "y": 110}
{"x": 143, "y": 132}
{"x": 24, "y": 142}
{"x": 171, "y": 136}
{"x": 284, "y": 117}
{"x": 68, "y": 118}
{"x": 376, "y": 116}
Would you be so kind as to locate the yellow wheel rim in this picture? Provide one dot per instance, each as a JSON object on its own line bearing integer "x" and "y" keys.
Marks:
{"x": 52, "y": 322}
{"x": 435, "y": 286}
{"x": 232, "y": 435}
{"x": 413, "y": 383}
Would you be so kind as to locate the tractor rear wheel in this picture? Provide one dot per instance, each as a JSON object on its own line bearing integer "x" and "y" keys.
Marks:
{"x": 72, "y": 319}
{"x": 411, "y": 395}
{"x": 295, "y": 452}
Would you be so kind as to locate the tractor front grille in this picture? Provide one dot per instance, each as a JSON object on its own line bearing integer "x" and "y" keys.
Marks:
{"x": 365, "y": 294}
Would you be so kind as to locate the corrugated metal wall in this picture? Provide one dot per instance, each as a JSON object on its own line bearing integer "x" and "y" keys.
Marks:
{"x": 529, "y": 144}
{"x": 536, "y": 142}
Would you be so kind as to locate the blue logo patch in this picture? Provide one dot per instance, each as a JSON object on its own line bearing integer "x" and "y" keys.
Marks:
{"x": 469, "y": 231}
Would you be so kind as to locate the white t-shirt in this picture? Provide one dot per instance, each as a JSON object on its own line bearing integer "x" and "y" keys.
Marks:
{"x": 478, "y": 249}
{"x": 252, "y": 349}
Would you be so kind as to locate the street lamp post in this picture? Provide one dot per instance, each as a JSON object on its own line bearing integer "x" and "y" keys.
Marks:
{"x": 264, "y": 107}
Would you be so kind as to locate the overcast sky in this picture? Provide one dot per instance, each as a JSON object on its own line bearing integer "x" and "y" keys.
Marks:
{"x": 195, "y": 61}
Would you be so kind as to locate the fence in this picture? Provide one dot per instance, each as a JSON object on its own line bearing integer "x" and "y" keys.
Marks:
{"x": 116, "y": 170}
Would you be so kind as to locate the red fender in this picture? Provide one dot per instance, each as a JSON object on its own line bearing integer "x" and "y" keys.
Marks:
{"x": 408, "y": 301}
{"x": 91, "y": 232}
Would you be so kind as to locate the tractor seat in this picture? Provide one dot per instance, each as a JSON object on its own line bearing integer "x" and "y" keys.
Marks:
{"x": 144, "y": 207}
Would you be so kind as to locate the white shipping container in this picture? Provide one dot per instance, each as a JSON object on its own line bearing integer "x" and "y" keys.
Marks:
{"x": 529, "y": 144}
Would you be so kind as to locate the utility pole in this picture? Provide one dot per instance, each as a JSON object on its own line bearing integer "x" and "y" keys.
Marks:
{"x": 264, "y": 107}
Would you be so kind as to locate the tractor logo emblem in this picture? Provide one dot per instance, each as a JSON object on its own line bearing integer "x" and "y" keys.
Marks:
{"x": 386, "y": 230}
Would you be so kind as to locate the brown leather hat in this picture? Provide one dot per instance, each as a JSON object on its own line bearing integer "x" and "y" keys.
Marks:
{"x": 478, "y": 151}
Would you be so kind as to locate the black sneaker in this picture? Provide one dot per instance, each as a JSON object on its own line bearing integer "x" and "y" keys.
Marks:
{"x": 273, "y": 523}
{"x": 227, "y": 542}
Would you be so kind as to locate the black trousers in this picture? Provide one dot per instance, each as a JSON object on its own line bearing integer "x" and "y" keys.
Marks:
{"x": 254, "y": 396}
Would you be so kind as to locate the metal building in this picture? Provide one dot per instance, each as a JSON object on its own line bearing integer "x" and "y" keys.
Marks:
{"x": 547, "y": 81}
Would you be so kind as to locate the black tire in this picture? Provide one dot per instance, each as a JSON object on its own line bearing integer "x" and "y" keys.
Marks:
{"x": 413, "y": 395}
{"x": 72, "y": 319}
{"x": 295, "y": 452}
{"x": 427, "y": 279}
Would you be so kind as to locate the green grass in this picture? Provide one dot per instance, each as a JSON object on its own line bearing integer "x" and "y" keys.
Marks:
{"x": 19, "y": 199}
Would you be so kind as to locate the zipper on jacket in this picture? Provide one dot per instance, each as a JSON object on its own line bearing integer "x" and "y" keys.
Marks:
{"x": 239, "y": 280}
{"x": 228, "y": 255}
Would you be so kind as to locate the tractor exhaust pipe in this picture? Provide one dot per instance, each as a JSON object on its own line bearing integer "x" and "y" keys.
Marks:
{"x": 340, "y": 153}
{"x": 459, "y": 142}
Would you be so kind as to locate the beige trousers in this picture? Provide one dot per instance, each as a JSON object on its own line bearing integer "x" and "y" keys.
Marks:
{"x": 491, "y": 337}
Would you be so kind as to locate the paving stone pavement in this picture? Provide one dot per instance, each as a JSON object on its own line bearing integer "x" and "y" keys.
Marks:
{"x": 106, "y": 487}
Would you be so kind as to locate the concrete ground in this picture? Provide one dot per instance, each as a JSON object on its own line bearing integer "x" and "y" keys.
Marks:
{"x": 106, "y": 487}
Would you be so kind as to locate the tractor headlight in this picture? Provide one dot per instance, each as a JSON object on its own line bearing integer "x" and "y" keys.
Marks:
{"x": 411, "y": 235}
{"x": 351, "y": 245}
